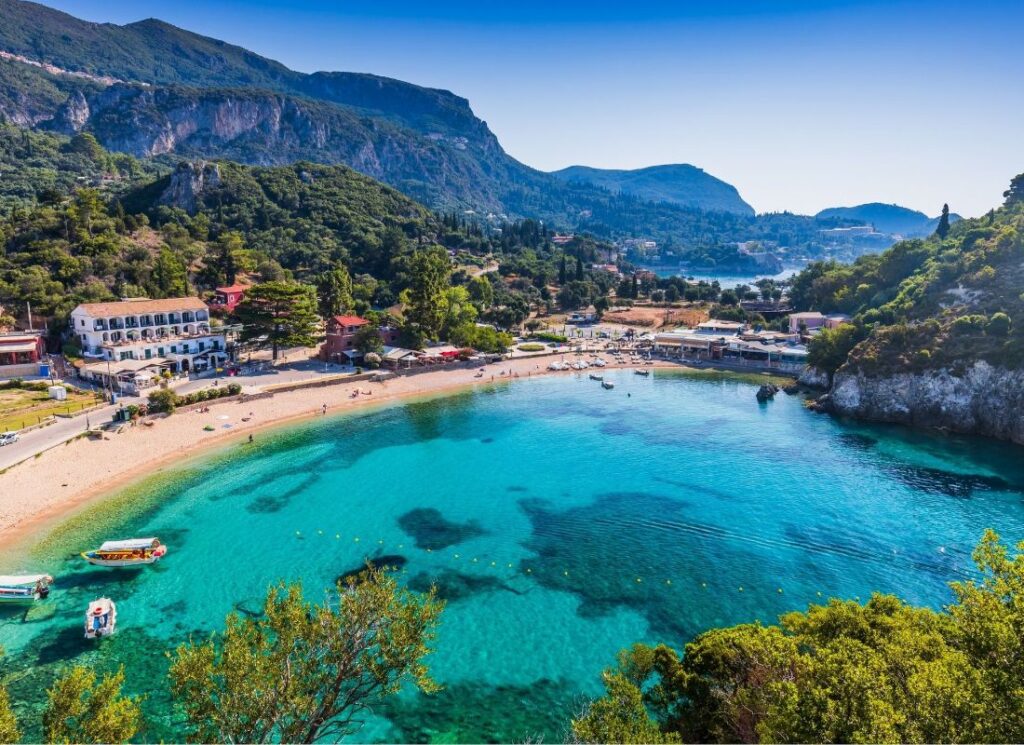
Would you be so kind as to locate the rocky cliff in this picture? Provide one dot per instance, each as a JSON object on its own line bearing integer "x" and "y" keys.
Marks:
{"x": 982, "y": 400}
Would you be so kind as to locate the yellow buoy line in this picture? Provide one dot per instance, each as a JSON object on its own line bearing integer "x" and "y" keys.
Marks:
{"x": 526, "y": 570}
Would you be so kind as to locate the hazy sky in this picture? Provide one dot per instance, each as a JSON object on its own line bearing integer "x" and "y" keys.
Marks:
{"x": 800, "y": 105}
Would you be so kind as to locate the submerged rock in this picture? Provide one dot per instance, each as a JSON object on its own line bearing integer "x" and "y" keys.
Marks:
{"x": 387, "y": 562}
{"x": 767, "y": 392}
{"x": 431, "y": 530}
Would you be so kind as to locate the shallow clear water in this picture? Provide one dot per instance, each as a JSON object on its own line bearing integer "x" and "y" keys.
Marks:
{"x": 563, "y": 522}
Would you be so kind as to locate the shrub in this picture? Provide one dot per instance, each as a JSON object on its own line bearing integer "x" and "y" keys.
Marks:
{"x": 549, "y": 336}
{"x": 531, "y": 347}
{"x": 234, "y": 389}
{"x": 998, "y": 325}
{"x": 164, "y": 400}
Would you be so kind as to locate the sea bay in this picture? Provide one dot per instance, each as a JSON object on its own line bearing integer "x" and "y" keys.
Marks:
{"x": 560, "y": 520}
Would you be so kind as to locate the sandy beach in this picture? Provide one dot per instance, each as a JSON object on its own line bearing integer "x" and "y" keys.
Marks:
{"x": 42, "y": 492}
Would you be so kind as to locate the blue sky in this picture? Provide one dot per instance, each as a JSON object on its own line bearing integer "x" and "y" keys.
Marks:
{"x": 800, "y": 105}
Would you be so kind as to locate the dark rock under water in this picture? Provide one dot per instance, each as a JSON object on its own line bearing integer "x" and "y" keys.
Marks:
{"x": 387, "y": 562}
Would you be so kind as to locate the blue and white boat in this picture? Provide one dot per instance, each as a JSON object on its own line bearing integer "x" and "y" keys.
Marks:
{"x": 100, "y": 618}
{"x": 24, "y": 588}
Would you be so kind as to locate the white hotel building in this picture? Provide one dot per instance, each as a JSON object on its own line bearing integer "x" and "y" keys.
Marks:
{"x": 141, "y": 334}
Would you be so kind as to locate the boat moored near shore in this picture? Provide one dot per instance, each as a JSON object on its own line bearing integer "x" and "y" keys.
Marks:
{"x": 131, "y": 552}
{"x": 24, "y": 588}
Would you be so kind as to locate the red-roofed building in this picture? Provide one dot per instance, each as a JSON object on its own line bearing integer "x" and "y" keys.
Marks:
{"x": 227, "y": 298}
{"x": 339, "y": 345}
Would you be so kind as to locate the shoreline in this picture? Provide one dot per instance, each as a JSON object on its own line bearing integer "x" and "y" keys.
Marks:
{"x": 40, "y": 494}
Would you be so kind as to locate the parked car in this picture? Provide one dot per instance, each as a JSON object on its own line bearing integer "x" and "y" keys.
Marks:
{"x": 8, "y": 438}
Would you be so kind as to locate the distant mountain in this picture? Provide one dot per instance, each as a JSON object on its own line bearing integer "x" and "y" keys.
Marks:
{"x": 888, "y": 218}
{"x": 682, "y": 184}
{"x": 152, "y": 89}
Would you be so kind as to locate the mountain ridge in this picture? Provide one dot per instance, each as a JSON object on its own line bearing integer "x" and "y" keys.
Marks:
{"x": 888, "y": 218}
{"x": 676, "y": 183}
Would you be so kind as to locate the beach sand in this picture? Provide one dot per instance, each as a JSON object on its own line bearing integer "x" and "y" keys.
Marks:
{"x": 42, "y": 492}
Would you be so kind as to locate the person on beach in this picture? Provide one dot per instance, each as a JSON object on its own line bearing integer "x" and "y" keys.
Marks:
{"x": 325, "y": 409}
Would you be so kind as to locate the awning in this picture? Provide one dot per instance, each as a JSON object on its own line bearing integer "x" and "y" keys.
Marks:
{"x": 23, "y": 347}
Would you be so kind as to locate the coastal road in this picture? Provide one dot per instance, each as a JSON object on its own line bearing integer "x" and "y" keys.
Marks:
{"x": 36, "y": 441}
{"x": 62, "y": 430}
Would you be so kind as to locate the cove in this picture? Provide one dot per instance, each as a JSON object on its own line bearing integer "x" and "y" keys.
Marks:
{"x": 561, "y": 521}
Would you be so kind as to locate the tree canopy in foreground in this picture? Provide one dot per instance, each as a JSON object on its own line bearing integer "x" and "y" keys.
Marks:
{"x": 305, "y": 672}
{"x": 843, "y": 672}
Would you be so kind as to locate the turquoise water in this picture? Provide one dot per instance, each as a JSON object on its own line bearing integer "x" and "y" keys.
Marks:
{"x": 562, "y": 521}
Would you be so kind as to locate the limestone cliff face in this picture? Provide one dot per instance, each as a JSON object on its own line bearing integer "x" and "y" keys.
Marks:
{"x": 187, "y": 184}
{"x": 814, "y": 377}
{"x": 267, "y": 128}
{"x": 982, "y": 400}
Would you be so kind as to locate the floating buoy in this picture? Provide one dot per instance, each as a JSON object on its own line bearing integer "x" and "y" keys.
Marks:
{"x": 337, "y": 535}
{"x": 819, "y": 594}
{"x": 381, "y": 541}
{"x": 430, "y": 550}
{"x": 319, "y": 532}
{"x": 298, "y": 532}
{"x": 780, "y": 589}
{"x": 741, "y": 589}
{"x": 456, "y": 556}
{"x": 509, "y": 566}
{"x": 356, "y": 539}
{"x": 639, "y": 579}
{"x": 528, "y": 570}
{"x": 703, "y": 584}
{"x": 566, "y": 573}
{"x": 668, "y": 582}
{"x": 494, "y": 563}
{"x": 475, "y": 560}
{"x": 401, "y": 545}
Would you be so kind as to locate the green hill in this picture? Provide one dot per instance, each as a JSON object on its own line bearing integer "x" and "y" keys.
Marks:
{"x": 888, "y": 218}
{"x": 931, "y": 303}
{"x": 683, "y": 185}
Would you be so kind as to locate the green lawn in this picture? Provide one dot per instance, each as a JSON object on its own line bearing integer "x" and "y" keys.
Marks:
{"x": 22, "y": 408}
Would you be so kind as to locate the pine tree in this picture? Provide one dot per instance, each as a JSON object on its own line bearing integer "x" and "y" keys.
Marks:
{"x": 562, "y": 276}
{"x": 579, "y": 269}
{"x": 283, "y": 312}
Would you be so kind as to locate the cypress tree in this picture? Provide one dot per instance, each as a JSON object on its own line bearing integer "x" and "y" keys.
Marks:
{"x": 943, "y": 227}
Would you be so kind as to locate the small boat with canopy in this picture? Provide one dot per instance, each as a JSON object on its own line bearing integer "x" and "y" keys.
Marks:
{"x": 24, "y": 588}
{"x": 100, "y": 618}
{"x": 128, "y": 553}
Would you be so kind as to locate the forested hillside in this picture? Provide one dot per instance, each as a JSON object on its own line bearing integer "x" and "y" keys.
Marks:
{"x": 158, "y": 90}
{"x": 83, "y": 225}
{"x": 943, "y": 301}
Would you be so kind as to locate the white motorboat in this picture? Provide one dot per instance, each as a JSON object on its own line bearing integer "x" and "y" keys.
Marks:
{"x": 607, "y": 385}
{"x": 24, "y": 588}
{"x": 100, "y": 618}
{"x": 132, "y": 552}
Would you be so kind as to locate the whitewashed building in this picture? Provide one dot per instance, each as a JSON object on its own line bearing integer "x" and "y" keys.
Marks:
{"x": 173, "y": 333}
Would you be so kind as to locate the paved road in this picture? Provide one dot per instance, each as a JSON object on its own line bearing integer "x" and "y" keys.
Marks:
{"x": 38, "y": 440}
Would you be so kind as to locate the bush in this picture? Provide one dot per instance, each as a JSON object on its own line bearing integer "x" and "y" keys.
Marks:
{"x": 998, "y": 325}
{"x": 549, "y": 336}
{"x": 163, "y": 400}
{"x": 530, "y": 347}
